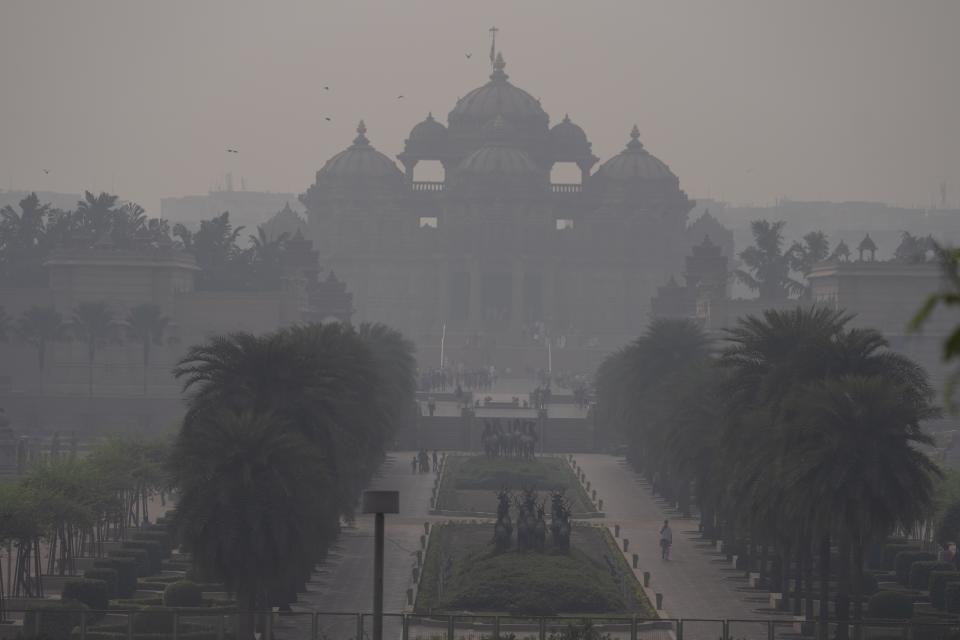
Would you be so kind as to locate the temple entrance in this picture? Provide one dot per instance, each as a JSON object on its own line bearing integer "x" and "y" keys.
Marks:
{"x": 496, "y": 300}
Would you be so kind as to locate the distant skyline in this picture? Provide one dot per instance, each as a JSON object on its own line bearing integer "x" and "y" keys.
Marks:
{"x": 746, "y": 100}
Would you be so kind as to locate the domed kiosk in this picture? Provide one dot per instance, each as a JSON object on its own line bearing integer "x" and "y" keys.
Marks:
{"x": 494, "y": 247}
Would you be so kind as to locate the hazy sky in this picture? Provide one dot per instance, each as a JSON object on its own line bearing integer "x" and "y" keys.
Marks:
{"x": 745, "y": 100}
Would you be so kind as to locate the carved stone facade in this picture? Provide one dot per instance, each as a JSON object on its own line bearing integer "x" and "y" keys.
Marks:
{"x": 495, "y": 247}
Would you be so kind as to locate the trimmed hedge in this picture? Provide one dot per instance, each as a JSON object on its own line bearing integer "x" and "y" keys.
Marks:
{"x": 159, "y": 536}
{"x": 905, "y": 559}
{"x": 951, "y": 597}
{"x": 890, "y": 552}
{"x": 92, "y": 593}
{"x": 183, "y": 594}
{"x": 153, "y": 549}
{"x": 56, "y": 618}
{"x": 126, "y": 569}
{"x": 139, "y": 556}
{"x": 109, "y": 575}
{"x": 890, "y": 605}
{"x": 920, "y": 572}
{"x": 938, "y": 583}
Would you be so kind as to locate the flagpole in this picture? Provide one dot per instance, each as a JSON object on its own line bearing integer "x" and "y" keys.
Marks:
{"x": 443, "y": 338}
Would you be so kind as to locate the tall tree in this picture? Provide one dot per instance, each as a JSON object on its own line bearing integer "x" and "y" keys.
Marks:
{"x": 97, "y": 214}
{"x": 22, "y": 242}
{"x": 38, "y": 327}
{"x": 248, "y": 485}
{"x": 129, "y": 222}
{"x": 146, "y": 324}
{"x": 768, "y": 265}
{"x": 94, "y": 324}
{"x": 814, "y": 248}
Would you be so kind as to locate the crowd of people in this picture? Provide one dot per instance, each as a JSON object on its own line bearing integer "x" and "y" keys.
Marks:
{"x": 423, "y": 462}
{"x": 460, "y": 377}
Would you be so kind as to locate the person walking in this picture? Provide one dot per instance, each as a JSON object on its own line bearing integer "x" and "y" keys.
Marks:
{"x": 436, "y": 462}
{"x": 413, "y": 464}
{"x": 666, "y": 540}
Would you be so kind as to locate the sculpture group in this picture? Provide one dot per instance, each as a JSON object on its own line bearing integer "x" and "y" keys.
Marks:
{"x": 513, "y": 438}
{"x": 531, "y": 521}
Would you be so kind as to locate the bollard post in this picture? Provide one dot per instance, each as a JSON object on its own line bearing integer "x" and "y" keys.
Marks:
{"x": 426, "y": 528}
{"x": 600, "y": 505}
{"x": 626, "y": 544}
{"x": 616, "y": 531}
{"x": 659, "y": 601}
{"x": 646, "y": 578}
{"x": 450, "y": 627}
{"x": 680, "y": 629}
{"x": 636, "y": 560}
{"x": 633, "y": 627}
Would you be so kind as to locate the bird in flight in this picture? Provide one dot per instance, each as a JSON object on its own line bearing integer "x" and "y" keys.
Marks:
{"x": 46, "y": 170}
{"x": 399, "y": 97}
{"x": 327, "y": 118}
{"x": 469, "y": 55}
{"x": 232, "y": 151}
{"x": 326, "y": 88}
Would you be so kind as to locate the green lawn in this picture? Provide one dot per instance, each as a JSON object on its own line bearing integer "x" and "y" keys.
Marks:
{"x": 526, "y": 583}
{"x": 470, "y": 483}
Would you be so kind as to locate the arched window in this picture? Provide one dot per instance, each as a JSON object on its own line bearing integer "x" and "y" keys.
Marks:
{"x": 565, "y": 173}
{"x": 429, "y": 171}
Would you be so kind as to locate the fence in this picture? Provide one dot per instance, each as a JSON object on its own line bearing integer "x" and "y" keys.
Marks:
{"x": 195, "y": 624}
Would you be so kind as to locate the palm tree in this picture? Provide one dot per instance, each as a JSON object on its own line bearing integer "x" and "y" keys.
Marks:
{"x": 248, "y": 484}
{"x": 949, "y": 259}
{"x": 22, "y": 241}
{"x": 97, "y": 213}
{"x": 768, "y": 265}
{"x": 38, "y": 327}
{"x": 128, "y": 221}
{"x": 146, "y": 324}
{"x": 854, "y": 451}
{"x": 266, "y": 258}
{"x": 93, "y": 323}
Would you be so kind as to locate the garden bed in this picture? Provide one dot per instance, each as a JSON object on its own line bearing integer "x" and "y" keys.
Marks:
{"x": 463, "y": 573}
{"x": 469, "y": 484}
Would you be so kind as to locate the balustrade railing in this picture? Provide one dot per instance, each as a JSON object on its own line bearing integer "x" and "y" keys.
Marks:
{"x": 427, "y": 186}
{"x": 566, "y": 188}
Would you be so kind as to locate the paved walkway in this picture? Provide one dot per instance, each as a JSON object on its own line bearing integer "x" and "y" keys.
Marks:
{"x": 344, "y": 582}
{"x": 696, "y": 582}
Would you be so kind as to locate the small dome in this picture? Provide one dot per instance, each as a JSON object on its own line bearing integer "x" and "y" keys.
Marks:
{"x": 428, "y": 131}
{"x": 359, "y": 160}
{"x": 497, "y": 97}
{"x": 635, "y": 163}
{"x": 498, "y": 159}
{"x": 567, "y": 135}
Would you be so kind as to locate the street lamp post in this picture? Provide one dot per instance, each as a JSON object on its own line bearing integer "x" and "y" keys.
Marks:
{"x": 379, "y": 503}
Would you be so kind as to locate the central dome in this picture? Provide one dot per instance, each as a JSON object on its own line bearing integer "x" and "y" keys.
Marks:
{"x": 359, "y": 160}
{"x": 497, "y": 97}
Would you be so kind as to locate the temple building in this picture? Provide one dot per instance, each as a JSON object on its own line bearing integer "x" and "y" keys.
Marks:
{"x": 495, "y": 248}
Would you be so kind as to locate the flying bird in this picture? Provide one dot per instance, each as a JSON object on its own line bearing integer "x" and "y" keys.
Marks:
{"x": 326, "y": 88}
{"x": 399, "y": 97}
{"x": 469, "y": 55}
{"x": 46, "y": 170}
{"x": 232, "y": 151}
{"x": 327, "y": 118}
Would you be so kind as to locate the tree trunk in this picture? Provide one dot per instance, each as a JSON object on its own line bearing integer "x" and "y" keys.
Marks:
{"x": 824, "y": 630}
{"x": 784, "y": 574}
{"x": 808, "y": 577}
{"x": 843, "y": 588}
{"x": 146, "y": 363}
{"x": 858, "y": 584}
{"x": 246, "y": 618}
{"x": 798, "y": 582}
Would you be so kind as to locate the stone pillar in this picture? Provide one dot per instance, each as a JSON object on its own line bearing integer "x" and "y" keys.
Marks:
{"x": 476, "y": 317}
{"x": 517, "y": 278}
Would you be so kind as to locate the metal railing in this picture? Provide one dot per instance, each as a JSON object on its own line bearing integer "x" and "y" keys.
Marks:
{"x": 197, "y": 624}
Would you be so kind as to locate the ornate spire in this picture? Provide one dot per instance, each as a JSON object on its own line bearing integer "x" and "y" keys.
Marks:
{"x": 566, "y": 118}
{"x": 361, "y": 139}
{"x": 498, "y": 66}
{"x": 635, "y": 143}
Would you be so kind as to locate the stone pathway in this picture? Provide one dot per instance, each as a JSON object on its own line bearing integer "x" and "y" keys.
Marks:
{"x": 697, "y": 582}
{"x": 344, "y": 583}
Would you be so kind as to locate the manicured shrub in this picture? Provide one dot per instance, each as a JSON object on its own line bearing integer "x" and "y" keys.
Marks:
{"x": 905, "y": 559}
{"x": 138, "y": 555}
{"x": 153, "y": 550}
{"x": 126, "y": 569}
{"x": 951, "y": 597}
{"x": 891, "y": 551}
{"x": 890, "y": 605}
{"x": 920, "y": 572}
{"x": 92, "y": 593}
{"x": 108, "y": 575}
{"x": 159, "y": 536}
{"x": 183, "y": 593}
{"x": 937, "y": 586}
{"x": 56, "y": 618}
